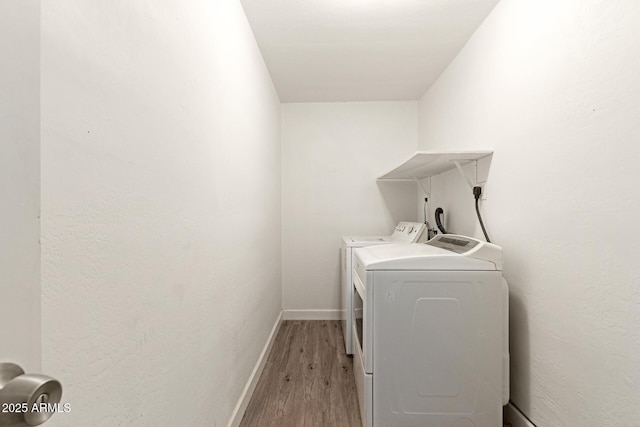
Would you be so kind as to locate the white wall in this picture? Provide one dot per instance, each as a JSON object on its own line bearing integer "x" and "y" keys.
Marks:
{"x": 553, "y": 88}
{"x": 331, "y": 156}
{"x": 20, "y": 183}
{"x": 161, "y": 209}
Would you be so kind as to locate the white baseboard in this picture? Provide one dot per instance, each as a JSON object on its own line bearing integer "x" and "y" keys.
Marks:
{"x": 513, "y": 416}
{"x": 312, "y": 314}
{"x": 245, "y": 396}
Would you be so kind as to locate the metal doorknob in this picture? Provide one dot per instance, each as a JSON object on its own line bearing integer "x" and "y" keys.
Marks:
{"x": 26, "y": 399}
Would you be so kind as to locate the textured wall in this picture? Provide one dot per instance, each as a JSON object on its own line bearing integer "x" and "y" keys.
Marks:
{"x": 332, "y": 154}
{"x": 553, "y": 87}
{"x": 161, "y": 209}
{"x": 20, "y": 183}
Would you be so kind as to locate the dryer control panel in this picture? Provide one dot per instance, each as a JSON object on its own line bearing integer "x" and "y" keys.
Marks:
{"x": 457, "y": 244}
{"x": 469, "y": 247}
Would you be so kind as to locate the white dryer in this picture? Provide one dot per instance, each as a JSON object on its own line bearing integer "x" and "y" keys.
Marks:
{"x": 431, "y": 328}
{"x": 405, "y": 232}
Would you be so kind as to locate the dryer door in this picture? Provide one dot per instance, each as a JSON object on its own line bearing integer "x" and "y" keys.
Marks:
{"x": 437, "y": 348}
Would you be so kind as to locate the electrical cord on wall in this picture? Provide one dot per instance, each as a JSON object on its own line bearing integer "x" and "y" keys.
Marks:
{"x": 477, "y": 191}
{"x": 426, "y": 200}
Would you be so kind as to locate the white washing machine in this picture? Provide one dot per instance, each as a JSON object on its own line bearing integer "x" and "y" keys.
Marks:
{"x": 431, "y": 334}
{"x": 405, "y": 232}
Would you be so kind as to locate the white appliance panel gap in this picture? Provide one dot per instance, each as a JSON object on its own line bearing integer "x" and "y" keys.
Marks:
{"x": 404, "y": 232}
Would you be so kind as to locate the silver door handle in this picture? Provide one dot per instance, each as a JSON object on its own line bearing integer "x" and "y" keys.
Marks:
{"x": 26, "y": 399}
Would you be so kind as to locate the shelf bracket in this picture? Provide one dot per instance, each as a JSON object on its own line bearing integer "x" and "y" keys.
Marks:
{"x": 471, "y": 182}
{"x": 425, "y": 190}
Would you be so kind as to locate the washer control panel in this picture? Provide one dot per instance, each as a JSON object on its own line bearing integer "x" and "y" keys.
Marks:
{"x": 408, "y": 231}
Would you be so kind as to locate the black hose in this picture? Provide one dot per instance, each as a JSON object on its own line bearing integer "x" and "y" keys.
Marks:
{"x": 437, "y": 214}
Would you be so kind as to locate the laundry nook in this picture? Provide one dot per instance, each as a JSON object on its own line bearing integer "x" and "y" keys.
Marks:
{"x": 320, "y": 213}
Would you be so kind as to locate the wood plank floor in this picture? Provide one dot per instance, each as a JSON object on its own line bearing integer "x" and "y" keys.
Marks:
{"x": 307, "y": 380}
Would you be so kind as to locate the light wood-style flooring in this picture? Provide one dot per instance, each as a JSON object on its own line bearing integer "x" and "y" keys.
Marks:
{"x": 307, "y": 380}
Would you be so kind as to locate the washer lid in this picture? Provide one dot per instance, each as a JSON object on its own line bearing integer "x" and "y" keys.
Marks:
{"x": 404, "y": 232}
{"x": 358, "y": 241}
{"x": 443, "y": 252}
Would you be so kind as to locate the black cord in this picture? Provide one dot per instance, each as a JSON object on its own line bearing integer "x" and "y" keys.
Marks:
{"x": 425, "y": 210}
{"x": 477, "y": 191}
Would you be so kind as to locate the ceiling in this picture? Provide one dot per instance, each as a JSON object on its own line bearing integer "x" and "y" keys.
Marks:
{"x": 360, "y": 50}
